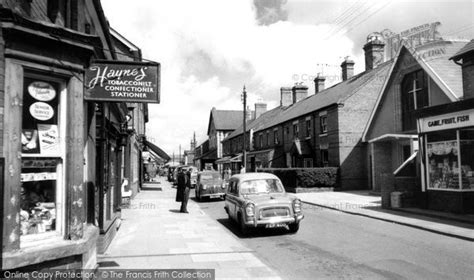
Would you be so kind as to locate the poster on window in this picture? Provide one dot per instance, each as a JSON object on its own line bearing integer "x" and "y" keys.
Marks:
{"x": 48, "y": 139}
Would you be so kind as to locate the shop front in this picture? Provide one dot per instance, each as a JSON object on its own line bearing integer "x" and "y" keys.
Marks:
{"x": 447, "y": 137}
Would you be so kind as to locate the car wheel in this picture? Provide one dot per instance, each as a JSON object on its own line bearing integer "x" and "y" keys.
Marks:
{"x": 294, "y": 227}
{"x": 243, "y": 227}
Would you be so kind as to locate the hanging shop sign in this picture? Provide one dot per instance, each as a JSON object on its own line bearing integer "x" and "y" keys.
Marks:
{"x": 123, "y": 81}
{"x": 447, "y": 121}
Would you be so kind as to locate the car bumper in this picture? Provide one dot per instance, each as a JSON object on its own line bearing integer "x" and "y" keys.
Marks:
{"x": 212, "y": 195}
{"x": 274, "y": 221}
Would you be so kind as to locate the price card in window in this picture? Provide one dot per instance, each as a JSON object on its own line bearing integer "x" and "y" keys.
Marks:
{"x": 49, "y": 139}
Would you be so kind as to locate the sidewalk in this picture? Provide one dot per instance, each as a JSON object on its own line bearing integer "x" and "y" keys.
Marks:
{"x": 362, "y": 204}
{"x": 154, "y": 235}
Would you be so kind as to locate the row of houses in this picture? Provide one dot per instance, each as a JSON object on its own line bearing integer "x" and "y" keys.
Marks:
{"x": 373, "y": 126}
{"x": 64, "y": 157}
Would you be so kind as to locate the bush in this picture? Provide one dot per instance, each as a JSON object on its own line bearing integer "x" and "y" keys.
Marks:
{"x": 320, "y": 177}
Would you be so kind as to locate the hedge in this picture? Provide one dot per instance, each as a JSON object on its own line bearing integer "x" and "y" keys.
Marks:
{"x": 319, "y": 177}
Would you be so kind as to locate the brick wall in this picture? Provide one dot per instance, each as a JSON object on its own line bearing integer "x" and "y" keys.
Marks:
{"x": 468, "y": 77}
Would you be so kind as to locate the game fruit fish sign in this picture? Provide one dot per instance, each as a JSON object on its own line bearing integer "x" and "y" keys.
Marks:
{"x": 123, "y": 81}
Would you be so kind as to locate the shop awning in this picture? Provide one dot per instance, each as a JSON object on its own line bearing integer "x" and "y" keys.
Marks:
{"x": 155, "y": 149}
{"x": 301, "y": 148}
{"x": 223, "y": 160}
{"x": 209, "y": 155}
{"x": 237, "y": 158}
{"x": 393, "y": 137}
{"x": 405, "y": 169}
{"x": 261, "y": 152}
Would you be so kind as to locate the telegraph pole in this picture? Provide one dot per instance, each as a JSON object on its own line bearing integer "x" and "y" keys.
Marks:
{"x": 244, "y": 152}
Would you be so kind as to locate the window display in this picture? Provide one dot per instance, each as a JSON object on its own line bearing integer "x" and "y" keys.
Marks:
{"x": 41, "y": 157}
{"x": 443, "y": 170}
{"x": 450, "y": 162}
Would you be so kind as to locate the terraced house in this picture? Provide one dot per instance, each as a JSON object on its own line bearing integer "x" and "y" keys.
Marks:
{"x": 324, "y": 129}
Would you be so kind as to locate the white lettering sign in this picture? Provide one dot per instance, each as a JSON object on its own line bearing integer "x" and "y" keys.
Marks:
{"x": 447, "y": 121}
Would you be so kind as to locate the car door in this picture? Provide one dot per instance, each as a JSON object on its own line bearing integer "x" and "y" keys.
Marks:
{"x": 231, "y": 199}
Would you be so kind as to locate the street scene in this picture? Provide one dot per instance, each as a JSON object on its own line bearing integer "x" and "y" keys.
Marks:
{"x": 237, "y": 139}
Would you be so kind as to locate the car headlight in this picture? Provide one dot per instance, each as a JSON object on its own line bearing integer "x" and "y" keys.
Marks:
{"x": 250, "y": 210}
{"x": 297, "y": 206}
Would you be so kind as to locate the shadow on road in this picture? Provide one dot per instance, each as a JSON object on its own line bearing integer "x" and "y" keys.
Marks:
{"x": 254, "y": 233}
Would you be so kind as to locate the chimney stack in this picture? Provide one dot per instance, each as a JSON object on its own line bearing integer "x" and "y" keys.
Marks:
{"x": 347, "y": 68}
{"x": 374, "y": 51}
{"x": 286, "y": 96}
{"x": 319, "y": 84}
{"x": 300, "y": 92}
{"x": 260, "y": 108}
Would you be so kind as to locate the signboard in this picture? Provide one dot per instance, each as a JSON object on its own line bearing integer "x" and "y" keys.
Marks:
{"x": 123, "y": 81}
{"x": 447, "y": 121}
{"x": 414, "y": 37}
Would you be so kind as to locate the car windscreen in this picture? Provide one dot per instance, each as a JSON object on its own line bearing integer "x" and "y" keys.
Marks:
{"x": 261, "y": 186}
{"x": 210, "y": 176}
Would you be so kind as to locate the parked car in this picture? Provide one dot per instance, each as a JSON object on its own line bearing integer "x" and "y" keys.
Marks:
{"x": 210, "y": 185}
{"x": 259, "y": 200}
{"x": 171, "y": 173}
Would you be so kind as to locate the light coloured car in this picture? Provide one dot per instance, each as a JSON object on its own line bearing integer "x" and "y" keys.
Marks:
{"x": 259, "y": 200}
{"x": 210, "y": 185}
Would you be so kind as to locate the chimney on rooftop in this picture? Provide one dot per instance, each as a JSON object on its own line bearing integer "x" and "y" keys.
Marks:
{"x": 300, "y": 92}
{"x": 286, "y": 96}
{"x": 374, "y": 51}
{"x": 347, "y": 68}
{"x": 260, "y": 108}
{"x": 319, "y": 83}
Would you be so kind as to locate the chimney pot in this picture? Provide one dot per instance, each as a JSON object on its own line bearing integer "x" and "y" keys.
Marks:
{"x": 347, "y": 68}
{"x": 286, "y": 96}
{"x": 319, "y": 83}
{"x": 260, "y": 108}
{"x": 374, "y": 50}
{"x": 300, "y": 92}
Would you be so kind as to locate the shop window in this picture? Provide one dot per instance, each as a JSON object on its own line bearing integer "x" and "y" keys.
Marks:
{"x": 42, "y": 157}
{"x": 323, "y": 124}
{"x": 467, "y": 158}
{"x": 414, "y": 97}
{"x": 450, "y": 160}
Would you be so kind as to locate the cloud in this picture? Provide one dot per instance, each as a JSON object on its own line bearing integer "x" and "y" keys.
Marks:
{"x": 209, "y": 49}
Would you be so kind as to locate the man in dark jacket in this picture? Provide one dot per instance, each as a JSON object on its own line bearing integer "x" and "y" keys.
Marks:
{"x": 187, "y": 188}
{"x": 181, "y": 182}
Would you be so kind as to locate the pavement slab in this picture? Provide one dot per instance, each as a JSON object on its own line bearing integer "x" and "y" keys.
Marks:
{"x": 153, "y": 234}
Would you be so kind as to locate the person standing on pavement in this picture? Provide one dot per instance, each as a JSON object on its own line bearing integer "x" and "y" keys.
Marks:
{"x": 187, "y": 188}
{"x": 181, "y": 181}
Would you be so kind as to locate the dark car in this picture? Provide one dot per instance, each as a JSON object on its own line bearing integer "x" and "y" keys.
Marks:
{"x": 259, "y": 200}
{"x": 210, "y": 185}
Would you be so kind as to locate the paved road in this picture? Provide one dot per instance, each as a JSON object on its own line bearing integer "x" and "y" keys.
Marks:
{"x": 335, "y": 245}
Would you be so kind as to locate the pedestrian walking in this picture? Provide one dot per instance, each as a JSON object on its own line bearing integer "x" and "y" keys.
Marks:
{"x": 187, "y": 188}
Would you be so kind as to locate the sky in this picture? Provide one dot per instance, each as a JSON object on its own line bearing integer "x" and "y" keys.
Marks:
{"x": 210, "y": 49}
